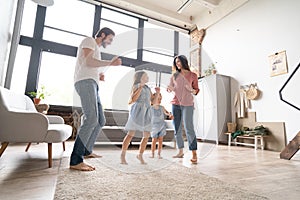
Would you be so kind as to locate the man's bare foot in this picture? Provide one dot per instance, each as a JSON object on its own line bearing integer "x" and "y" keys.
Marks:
{"x": 152, "y": 155}
{"x": 92, "y": 155}
{"x": 123, "y": 160}
{"x": 140, "y": 157}
{"x": 82, "y": 167}
{"x": 178, "y": 155}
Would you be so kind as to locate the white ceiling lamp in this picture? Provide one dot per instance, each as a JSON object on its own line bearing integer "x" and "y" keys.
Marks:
{"x": 184, "y": 6}
{"x": 44, "y": 3}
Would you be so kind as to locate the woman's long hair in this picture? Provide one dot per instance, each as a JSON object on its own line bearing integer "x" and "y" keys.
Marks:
{"x": 184, "y": 64}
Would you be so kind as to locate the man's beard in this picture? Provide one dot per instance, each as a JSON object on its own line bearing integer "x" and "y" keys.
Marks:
{"x": 104, "y": 44}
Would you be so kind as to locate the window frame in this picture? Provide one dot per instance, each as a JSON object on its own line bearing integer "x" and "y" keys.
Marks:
{"x": 38, "y": 44}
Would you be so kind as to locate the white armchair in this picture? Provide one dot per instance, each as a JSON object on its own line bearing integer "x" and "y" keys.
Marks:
{"x": 20, "y": 122}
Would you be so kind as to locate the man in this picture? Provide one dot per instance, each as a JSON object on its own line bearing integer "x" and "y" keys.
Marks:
{"x": 86, "y": 80}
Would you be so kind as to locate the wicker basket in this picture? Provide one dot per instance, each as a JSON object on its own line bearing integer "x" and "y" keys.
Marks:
{"x": 231, "y": 127}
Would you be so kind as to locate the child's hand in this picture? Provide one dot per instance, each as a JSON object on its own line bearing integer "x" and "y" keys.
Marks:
{"x": 157, "y": 89}
{"x": 171, "y": 117}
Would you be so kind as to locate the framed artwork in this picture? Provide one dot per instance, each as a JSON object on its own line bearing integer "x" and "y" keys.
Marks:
{"x": 278, "y": 63}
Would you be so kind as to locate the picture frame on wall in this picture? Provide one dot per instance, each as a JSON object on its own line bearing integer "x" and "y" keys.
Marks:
{"x": 278, "y": 63}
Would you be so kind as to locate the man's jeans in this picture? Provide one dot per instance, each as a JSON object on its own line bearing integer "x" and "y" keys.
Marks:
{"x": 185, "y": 114}
{"x": 94, "y": 120}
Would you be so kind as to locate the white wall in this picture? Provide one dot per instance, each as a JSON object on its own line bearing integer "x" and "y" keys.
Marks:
{"x": 241, "y": 43}
{"x": 6, "y": 14}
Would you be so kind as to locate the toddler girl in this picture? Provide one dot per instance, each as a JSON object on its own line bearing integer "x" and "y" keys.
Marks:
{"x": 158, "y": 123}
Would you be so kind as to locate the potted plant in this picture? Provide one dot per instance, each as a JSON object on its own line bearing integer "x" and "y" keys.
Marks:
{"x": 210, "y": 70}
{"x": 39, "y": 95}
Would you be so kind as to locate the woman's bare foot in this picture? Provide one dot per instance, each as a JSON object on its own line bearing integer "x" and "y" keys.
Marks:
{"x": 140, "y": 157}
{"x": 123, "y": 160}
{"x": 194, "y": 160}
{"x": 82, "y": 167}
{"x": 92, "y": 155}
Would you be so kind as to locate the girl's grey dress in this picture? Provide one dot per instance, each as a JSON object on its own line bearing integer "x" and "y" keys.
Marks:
{"x": 158, "y": 122}
{"x": 140, "y": 113}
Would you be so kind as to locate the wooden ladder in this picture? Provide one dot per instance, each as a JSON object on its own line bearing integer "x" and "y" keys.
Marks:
{"x": 291, "y": 149}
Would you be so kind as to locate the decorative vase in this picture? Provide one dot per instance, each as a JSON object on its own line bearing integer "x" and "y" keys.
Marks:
{"x": 36, "y": 101}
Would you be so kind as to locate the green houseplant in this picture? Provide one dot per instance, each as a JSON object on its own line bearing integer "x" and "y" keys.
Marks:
{"x": 210, "y": 70}
{"x": 39, "y": 95}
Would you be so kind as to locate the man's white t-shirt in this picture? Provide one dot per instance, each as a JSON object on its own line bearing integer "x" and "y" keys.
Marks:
{"x": 82, "y": 71}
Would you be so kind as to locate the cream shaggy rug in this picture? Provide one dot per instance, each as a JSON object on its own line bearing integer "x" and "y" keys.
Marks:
{"x": 159, "y": 179}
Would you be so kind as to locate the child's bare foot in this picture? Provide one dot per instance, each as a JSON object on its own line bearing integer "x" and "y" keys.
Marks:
{"x": 152, "y": 155}
{"x": 92, "y": 155}
{"x": 159, "y": 156}
{"x": 140, "y": 157}
{"x": 82, "y": 167}
{"x": 123, "y": 160}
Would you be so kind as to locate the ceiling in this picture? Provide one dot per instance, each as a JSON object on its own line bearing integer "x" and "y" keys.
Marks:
{"x": 188, "y": 17}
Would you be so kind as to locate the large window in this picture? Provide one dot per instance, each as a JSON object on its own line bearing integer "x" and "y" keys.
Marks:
{"x": 69, "y": 28}
{"x": 67, "y": 23}
{"x": 115, "y": 90}
{"x": 62, "y": 37}
{"x": 28, "y": 19}
{"x": 57, "y": 72}
{"x": 184, "y": 44}
{"x": 108, "y": 14}
{"x": 158, "y": 44}
{"x": 126, "y": 30}
{"x": 70, "y": 15}
{"x": 19, "y": 76}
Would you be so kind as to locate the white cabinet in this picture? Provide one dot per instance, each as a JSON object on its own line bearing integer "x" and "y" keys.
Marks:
{"x": 213, "y": 108}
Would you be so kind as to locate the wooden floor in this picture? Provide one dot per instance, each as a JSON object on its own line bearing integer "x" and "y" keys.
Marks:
{"x": 26, "y": 176}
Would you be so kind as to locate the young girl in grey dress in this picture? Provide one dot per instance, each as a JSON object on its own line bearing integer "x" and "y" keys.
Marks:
{"x": 158, "y": 124}
{"x": 139, "y": 116}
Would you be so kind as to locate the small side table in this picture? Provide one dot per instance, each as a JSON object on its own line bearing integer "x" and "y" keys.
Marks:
{"x": 42, "y": 108}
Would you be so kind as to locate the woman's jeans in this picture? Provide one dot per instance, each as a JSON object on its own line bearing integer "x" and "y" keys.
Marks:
{"x": 185, "y": 114}
{"x": 94, "y": 120}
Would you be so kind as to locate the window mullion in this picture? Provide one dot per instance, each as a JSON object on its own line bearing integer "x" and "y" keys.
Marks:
{"x": 97, "y": 19}
{"x": 140, "y": 40}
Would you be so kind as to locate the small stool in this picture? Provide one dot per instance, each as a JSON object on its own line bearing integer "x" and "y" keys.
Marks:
{"x": 229, "y": 138}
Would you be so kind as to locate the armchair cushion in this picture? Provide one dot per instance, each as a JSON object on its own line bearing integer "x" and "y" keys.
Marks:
{"x": 54, "y": 119}
{"x": 58, "y": 133}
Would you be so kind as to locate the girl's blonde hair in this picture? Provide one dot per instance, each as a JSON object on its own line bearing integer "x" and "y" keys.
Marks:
{"x": 154, "y": 96}
{"x": 136, "y": 80}
{"x": 137, "y": 77}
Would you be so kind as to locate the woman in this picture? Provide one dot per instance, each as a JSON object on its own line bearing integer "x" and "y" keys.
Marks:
{"x": 184, "y": 84}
